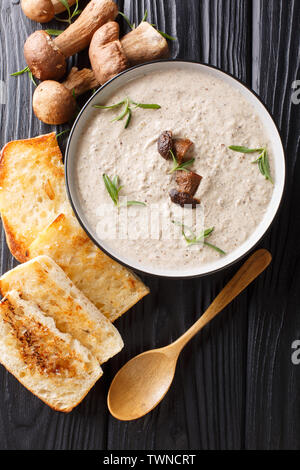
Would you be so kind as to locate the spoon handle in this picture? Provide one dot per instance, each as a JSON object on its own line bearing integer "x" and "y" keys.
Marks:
{"x": 250, "y": 270}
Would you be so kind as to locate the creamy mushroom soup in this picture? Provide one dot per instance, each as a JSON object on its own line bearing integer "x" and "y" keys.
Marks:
{"x": 140, "y": 221}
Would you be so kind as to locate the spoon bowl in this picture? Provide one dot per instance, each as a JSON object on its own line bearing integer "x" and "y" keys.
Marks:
{"x": 155, "y": 368}
{"x": 144, "y": 381}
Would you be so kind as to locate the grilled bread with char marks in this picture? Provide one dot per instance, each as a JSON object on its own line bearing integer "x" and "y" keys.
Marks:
{"x": 42, "y": 281}
{"x": 52, "y": 365}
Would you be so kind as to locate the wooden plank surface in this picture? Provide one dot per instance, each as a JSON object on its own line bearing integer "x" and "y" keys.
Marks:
{"x": 235, "y": 385}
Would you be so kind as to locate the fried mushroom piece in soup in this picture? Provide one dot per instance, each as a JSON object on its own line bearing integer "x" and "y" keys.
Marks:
{"x": 183, "y": 199}
{"x": 188, "y": 182}
{"x": 180, "y": 148}
{"x": 165, "y": 144}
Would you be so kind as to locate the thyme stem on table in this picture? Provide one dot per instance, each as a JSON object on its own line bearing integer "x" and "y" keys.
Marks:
{"x": 71, "y": 14}
{"x": 22, "y": 72}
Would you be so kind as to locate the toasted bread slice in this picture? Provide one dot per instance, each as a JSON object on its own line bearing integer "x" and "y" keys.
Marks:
{"x": 42, "y": 281}
{"x": 32, "y": 190}
{"x": 51, "y": 364}
{"x": 111, "y": 287}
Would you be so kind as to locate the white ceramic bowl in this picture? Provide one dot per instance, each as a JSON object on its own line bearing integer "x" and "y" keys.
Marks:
{"x": 279, "y": 161}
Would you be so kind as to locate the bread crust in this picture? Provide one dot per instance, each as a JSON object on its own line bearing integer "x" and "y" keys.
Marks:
{"x": 17, "y": 240}
{"x": 26, "y": 353}
{"x": 72, "y": 250}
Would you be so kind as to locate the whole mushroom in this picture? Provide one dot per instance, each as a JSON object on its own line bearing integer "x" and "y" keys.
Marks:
{"x": 43, "y": 10}
{"x": 110, "y": 56}
{"x": 46, "y": 57}
{"x": 54, "y": 102}
{"x": 144, "y": 44}
{"x": 106, "y": 53}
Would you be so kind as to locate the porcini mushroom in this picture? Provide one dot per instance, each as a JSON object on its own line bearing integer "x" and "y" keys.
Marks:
{"x": 106, "y": 53}
{"x": 110, "y": 56}
{"x": 43, "y": 10}
{"x": 144, "y": 44}
{"x": 46, "y": 57}
{"x": 54, "y": 102}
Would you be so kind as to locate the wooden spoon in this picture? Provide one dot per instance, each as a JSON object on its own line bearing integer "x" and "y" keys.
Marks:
{"x": 144, "y": 381}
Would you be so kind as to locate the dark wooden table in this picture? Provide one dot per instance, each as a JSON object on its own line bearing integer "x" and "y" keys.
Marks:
{"x": 235, "y": 386}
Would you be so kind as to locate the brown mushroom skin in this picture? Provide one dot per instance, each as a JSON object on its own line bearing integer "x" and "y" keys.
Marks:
{"x": 183, "y": 199}
{"x": 165, "y": 144}
{"x": 108, "y": 60}
{"x": 79, "y": 34}
{"x": 38, "y": 10}
{"x": 44, "y": 59}
{"x": 144, "y": 44}
{"x": 180, "y": 148}
{"x": 53, "y": 103}
{"x": 188, "y": 182}
{"x": 109, "y": 32}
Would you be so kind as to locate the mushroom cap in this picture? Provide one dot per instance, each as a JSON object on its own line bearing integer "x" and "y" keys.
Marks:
{"x": 44, "y": 59}
{"x": 108, "y": 60}
{"x": 53, "y": 103}
{"x": 107, "y": 33}
{"x": 144, "y": 44}
{"x": 38, "y": 10}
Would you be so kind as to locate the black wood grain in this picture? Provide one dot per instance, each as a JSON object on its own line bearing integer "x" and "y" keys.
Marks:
{"x": 235, "y": 386}
{"x": 273, "y": 382}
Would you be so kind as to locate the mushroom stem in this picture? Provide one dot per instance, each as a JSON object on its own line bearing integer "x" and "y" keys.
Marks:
{"x": 54, "y": 103}
{"x": 109, "y": 56}
{"x": 144, "y": 44}
{"x": 46, "y": 57}
{"x": 79, "y": 34}
{"x": 80, "y": 81}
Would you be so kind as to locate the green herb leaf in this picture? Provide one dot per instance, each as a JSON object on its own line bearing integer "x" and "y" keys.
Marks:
{"x": 124, "y": 112}
{"x": 76, "y": 11}
{"x": 71, "y": 15}
{"x": 113, "y": 188}
{"x": 167, "y": 36}
{"x": 237, "y": 148}
{"x": 109, "y": 107}
{"x": 20, "y": 72}
{"x": 131, "y": 26}
{"x": 214, "y": 248}
{"x": 262, "y": 160}
{"x": 66, "y": 5}
{"x": 31, "y": 78}
{"x": 127, "y": 102}
{"x": 54, "y": 32}
{"x": 62, "y": 133}
{"x": 180, "y": 167}
{"x": 145, "y": 16}
{"x": 146, "y": 106}
{"x": 135, "y": 203}
{"x": 192, "y": 239}
{"x": 129, "y": 118}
